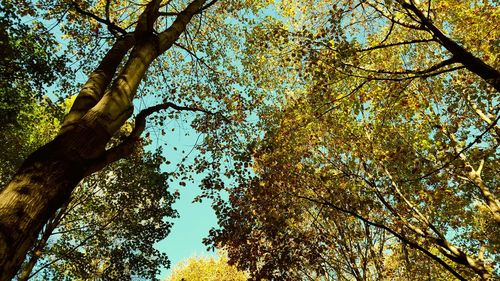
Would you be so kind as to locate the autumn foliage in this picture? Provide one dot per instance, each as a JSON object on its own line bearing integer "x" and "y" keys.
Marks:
{"x": 338, "y": 140}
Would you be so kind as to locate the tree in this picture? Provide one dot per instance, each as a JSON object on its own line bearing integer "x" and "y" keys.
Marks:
{"x": 387, "y": 124}
{"x": 193, "y": 76}
{"x": 46, "y": 179}
{"x": 206, "y": 269}
{"x": 82, "y": 239}
{"x": 410, "y": 62}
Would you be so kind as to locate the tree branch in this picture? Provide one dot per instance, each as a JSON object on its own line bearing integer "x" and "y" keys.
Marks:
{"x": 171, "y": 14}
{"x": 111, "y": 26}
{"x": 379, "y": 78}
{"x": 471, "y": 62}
{"x": 129, "y": 144}
{"x": 170, "y": 35}
{"x": 196, "y": 57}
{"x": 83, "y": 242}
{"x": 431, "y": 69}
{"x": 458, "y": 154}
{"x": 93, "y": 90}
{"x": 392, "y": 18}
{"x": 108, "y": 3}
{"x": 379, "y": 225}
{"x": 145, "y": 23}
{"x": 396, "y": 44}
{"x": 125, "y": 85}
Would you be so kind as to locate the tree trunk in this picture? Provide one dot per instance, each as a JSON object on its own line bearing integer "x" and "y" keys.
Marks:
{"x": 42, "y": 242}
{"x": 41, "y": 186}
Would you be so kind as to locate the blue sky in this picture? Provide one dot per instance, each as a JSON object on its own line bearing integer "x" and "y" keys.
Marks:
{"x": 189, "y": 229}
{"x": 195, "y": 219}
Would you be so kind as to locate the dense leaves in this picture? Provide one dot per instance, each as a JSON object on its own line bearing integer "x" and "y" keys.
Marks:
{"x": 379, "y": 157}
{"x": 206, "y": 269}
{"x": 344, "y": 140}
{"x": 28, "y": 64}
{"x": 109, "y": 228}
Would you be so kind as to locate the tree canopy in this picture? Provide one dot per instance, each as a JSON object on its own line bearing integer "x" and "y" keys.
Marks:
{"x": 339, "y": 140}
{"x": 379, "y": 154}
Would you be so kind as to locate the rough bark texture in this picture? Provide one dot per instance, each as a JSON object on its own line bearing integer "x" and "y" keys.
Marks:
{"x": 42, "y": 185}
{"x": 41, "y": 243}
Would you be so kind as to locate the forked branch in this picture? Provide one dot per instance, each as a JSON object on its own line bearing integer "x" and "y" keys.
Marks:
{"x": 129, "y": 144}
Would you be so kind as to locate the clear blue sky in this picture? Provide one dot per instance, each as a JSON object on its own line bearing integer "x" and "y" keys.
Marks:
{"x": 195, "y": 219}
{"x": 185, "y": 238}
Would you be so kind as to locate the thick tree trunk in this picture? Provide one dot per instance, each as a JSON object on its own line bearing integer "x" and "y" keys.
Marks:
{"x": 37, "y": 252}
{"x": 41, "y": 186}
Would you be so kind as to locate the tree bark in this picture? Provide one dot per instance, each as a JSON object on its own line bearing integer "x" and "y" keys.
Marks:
{"x": 41, "y": 243}
{"x": 40, "y": 187}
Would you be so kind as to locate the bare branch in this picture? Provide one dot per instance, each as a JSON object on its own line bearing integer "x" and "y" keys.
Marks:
{"x": 128, "y": 146}
{"x": 111, "y": 26}
{"x": 170, "y": 35}
{"x": 83, "y": 242}
{"x": 391, "y": 28}
{"x": 357, "y": 88}
{"x": 392, "y": 18}
{"x": 108, "y": 3}
{"x": 196, "y": 57}
{"x": 426, "y": 75}
{"x": 431, "y": 69}
{"x": 396, "y": 44}
{"x": 171, "y": 14}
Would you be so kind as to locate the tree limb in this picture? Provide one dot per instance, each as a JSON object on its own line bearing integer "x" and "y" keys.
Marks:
{"x": 147, "y": 19}
{"x": 396, "y": 44}
{"x": 379, "y": 225}
{"x": 111, "y": 26}
{"x": 431, "y": 69}
{"x": 171, "y": 14}
{"x": 458, "y": 154}
{"x": 196, "y": 57}
{"x": 169, "y": 36}
{"x": 392, "y": 18}
{"x": 93, "y": 90}
{"x": 471, "y": 62}
{"x": 129, "y": 144}
{"x": 380, "y": 78}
